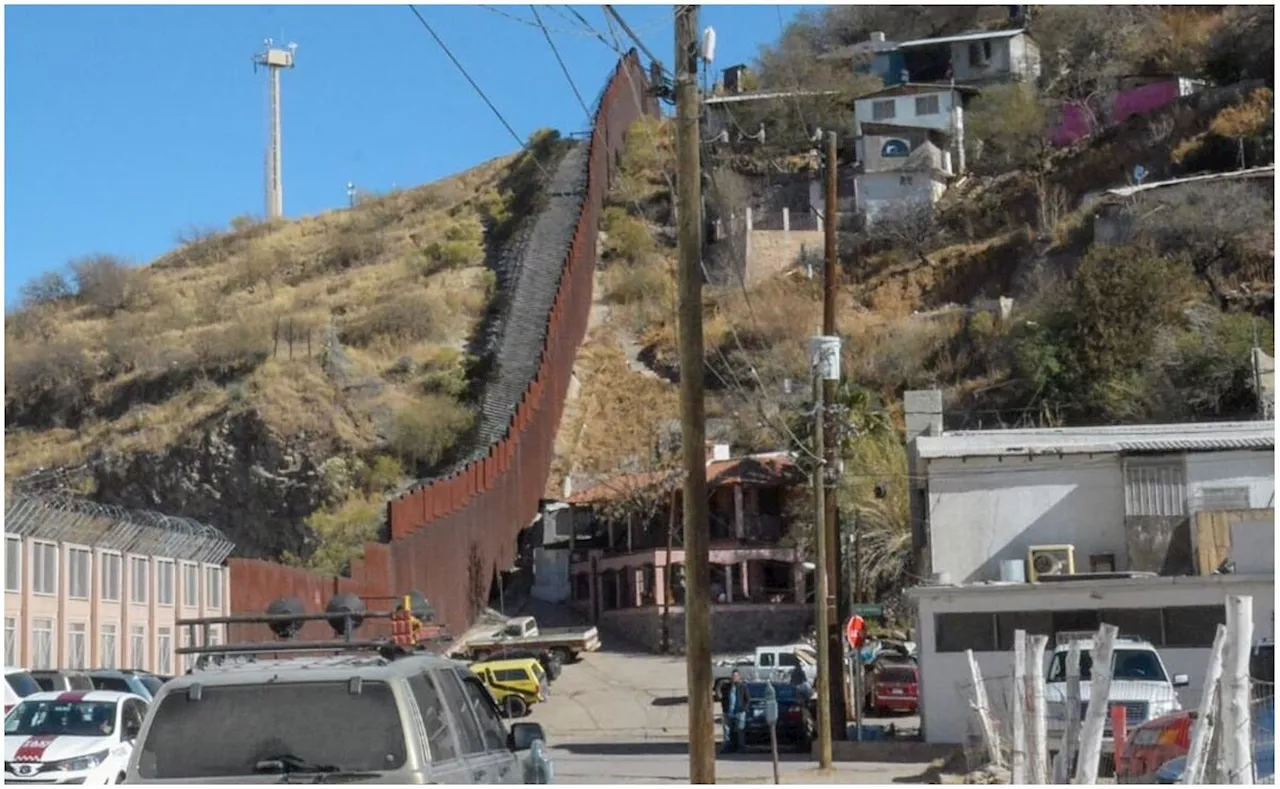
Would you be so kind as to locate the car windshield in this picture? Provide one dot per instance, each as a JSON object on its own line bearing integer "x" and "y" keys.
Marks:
{"x": 897, "y": 675}
{"x": 240, "y": 726}
{"x": 152, "y": 684}
{"x": 22, "y": 683}
{"x": 1132, "y": 664}
{"x": 64, "y": 718}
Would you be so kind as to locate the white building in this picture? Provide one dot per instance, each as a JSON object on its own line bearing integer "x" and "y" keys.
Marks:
{"x": 914, "y": 104}
{"x": 1108, "y": 509}
{"x": 91, "y": 586}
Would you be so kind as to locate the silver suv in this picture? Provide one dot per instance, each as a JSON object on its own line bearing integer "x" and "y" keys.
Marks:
{"x": 375, "y": 712}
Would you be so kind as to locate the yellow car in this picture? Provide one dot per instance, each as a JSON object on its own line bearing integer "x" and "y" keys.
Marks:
{"x": 515, "y": 684}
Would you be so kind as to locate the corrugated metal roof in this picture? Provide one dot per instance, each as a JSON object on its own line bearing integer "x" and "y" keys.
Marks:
{"x": 1191, "y": 437}
{"x": 979, "y": 36}
{"x": 766, "y": 95}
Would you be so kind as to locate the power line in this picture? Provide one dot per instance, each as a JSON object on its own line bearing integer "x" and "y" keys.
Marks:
{"x": 476, "y": 87}
{"x": 563, "y": 68}
{"x": 631, "y": 33}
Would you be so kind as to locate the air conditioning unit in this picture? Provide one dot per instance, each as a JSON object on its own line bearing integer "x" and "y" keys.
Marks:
{"x": 1050, "y": 560}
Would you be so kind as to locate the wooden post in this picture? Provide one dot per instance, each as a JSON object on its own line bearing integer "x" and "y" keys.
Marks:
{"x": 1099, "y": 691}
{"x": 990, "y": 735}
{"x": 1038, "y": 742}
{"x": 1018, "y": 708}
{"x": 822, "y": 613}
{"x": 697, "y": 609}
{"x": 1072, "y": 745}
{"x": 1202, "y": 728}
{"x": 1237, "y": 727}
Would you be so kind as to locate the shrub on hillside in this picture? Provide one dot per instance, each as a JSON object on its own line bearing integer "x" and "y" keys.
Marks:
{"x": 105, "y": 282}
{"x": 628, "y": 237}
{"x": 1006, "y": 127}
{"x": 425, "y": 431}
{"x": 45, "y": 288}
{"x": 462, "y": 245}
{"x": 383, "y": 474}
{"x": 341, "y": 533}
{"x": 407, "y": 316}
{"x": 48, "y": 386}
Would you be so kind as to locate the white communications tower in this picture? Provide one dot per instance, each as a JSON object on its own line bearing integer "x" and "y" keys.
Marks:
{"x": 274, "y": 59}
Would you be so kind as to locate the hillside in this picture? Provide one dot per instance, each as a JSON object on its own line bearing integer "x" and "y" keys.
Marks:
{"x": 274, "y": 373}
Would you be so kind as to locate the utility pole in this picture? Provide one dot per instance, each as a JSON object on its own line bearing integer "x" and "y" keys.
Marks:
{"x": 835, "y": 647}
{"x": 274, "y": 59}
{"x": 822, "y": 597}
{"x": 697, "y": 607}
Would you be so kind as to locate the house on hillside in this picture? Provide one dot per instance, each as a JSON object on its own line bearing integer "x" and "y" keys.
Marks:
{"x": 722, "y": 109}
{"x": 627, "y": 538}
{"x": 1131, "y": 95}
{"x": 973, "y": 58}
{"x": 1147, "y": 527}
{"x": 873, "y": 57}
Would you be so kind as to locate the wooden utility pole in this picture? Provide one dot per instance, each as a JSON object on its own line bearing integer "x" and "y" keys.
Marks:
{"x": 821, "y": 572}
{"x": 836, "y": 583}
{"x": 697, "y": 604}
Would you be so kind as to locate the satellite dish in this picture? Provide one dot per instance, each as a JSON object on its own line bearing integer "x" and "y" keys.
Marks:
{"x": 709, "y": 44}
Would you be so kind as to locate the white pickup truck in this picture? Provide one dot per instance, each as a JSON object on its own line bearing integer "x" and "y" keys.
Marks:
{"x": 522, "y": 632}
{"x": 767, "y": 664}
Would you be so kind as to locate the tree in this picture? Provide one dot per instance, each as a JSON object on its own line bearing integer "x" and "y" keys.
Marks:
{"x": 1249, "y": 118}
{"x": 45, "y": 288}
{"x": 1244, "y": 45}
{"x": 1008, "y": 126}
{"x": 1084, "y": 48}
{"x": 103, "y": 281}
{"x": 910, "y": 225}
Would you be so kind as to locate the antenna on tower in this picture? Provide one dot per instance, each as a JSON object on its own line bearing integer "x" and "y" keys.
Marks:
{"x": 274, "y": 59}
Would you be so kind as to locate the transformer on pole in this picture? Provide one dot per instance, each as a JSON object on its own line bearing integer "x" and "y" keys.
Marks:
{"x": 275, "y": 59}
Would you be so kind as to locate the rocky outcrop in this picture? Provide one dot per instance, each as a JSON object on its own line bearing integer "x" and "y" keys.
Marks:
{"x": 231, "y": 472}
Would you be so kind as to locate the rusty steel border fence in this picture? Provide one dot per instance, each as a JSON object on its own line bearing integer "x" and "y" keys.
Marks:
{"x": 449, "y": 537}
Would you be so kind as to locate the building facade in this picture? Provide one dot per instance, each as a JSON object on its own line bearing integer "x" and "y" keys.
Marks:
{"x": 89, "y": 586}
{"x": 1148, "y": 528}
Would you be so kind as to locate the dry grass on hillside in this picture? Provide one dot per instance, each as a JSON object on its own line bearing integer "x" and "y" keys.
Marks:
{"x": 121, "y": 358}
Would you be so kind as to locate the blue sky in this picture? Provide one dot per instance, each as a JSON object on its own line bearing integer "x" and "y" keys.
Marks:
{"x": 151, "y": 120}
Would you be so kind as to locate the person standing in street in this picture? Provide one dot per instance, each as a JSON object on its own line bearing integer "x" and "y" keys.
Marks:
{"x": 733, "y": 702}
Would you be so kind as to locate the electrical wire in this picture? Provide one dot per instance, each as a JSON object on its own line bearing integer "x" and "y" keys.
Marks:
{"x": 611, "y": 11}
{"x": 481, "y": 93}
{"x": 563, "y": 68}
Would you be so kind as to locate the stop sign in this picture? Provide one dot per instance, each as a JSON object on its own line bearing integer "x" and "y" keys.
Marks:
{"x": 855, "y": 632}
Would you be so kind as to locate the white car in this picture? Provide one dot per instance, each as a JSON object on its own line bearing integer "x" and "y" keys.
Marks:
{"x": 18, "y": 684}
{"x": 71, "y": 737}
{"x": 1139, "y": 683}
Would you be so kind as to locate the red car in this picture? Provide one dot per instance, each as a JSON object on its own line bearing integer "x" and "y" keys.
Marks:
{"x": 894, "y": 687}
{"x": 1151, "y": 744}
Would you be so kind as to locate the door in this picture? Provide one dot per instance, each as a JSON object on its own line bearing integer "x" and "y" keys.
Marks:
{"x": 498, "y": 764}
{"x": 443, "y": 749}
{"x": 477, "y": 743}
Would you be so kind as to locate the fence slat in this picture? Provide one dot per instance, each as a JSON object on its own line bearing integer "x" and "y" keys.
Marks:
{"x": 1099, "y": 691}
{"x": 1202, "y": 728}
{"x": 1039, "y": 740}
{"x": 1019, "y": 707}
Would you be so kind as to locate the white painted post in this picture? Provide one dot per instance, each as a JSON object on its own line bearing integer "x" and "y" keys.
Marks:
{"x": 1099, "y": 691}
{"x": 1018, "y": 708}
{"x": 1038, "y": 742}
{"x": 1238, "y": 726}
{"x": 1202, "y": 728}
{"x": 786, "y": 219}
{"x": 990, "y": 735}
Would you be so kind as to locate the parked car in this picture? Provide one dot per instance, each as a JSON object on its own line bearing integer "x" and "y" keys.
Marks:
{"x": 550, "y": 662}
{"x": 18, "y": 683}
{"x": 767, "y": 664}
{"x": 126, "y": 681}
{"x": 51, "y": 680}
{"x": 71, "y": 737}
{"x": 1139, "y": 682}
{"x": 1264, "y": 750}
{"x": 516, "y": 685}
{"x": 795, "y": 726}
{"x": 893, "y": 686}
{"x": 566, "y": 643}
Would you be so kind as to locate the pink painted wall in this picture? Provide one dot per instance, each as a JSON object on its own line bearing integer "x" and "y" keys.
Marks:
{"x": 1075, "y": 121}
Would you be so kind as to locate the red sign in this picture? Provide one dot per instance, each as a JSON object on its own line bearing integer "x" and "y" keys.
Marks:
{"x": 855, "y": 632}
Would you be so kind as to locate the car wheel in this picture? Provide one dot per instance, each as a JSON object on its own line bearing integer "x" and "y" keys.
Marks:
{"x": 565, "y": 656}
{"x": 515, "y": 707}
{"x": 119, "y": 779}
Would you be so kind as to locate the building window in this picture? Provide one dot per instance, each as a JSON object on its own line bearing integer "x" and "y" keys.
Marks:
{"x": 42, "y": 643}
{"x": 10, "y": 641}
{"x": 905, "y": 180}
{"x": 979, "y": 53}
{"x": 213, "y": 588}
{"x": 214, "y": 636}
{"x": 110, "y": 569}
{"x": 190, "y": 585}
{"x": 1154, "y": 487}
{"x": 107, "y": 645}
{"x": 1193, "y": 625}
{"x": 164, "y": 650}
{"x": 1036, "y": 623}
{"x": 139, "y": 580}
{"x": 138, "y": 647}
{"x": 44, "y": 563}
{"x": 927, "y": 105}
{"x": 78, "y": 573}
{"x": 958, "y": 632}
{"x": 164, "y": 582}
{"x": 76, "y": 645}
{"x": 12, "y": 564}
{"x": 1218, "y": 499}
{"x": 1145, "y": 623}
{"x": 883, "y": 110}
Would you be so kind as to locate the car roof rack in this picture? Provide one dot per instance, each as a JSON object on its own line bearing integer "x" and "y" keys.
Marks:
{"x": 345, "y": 619}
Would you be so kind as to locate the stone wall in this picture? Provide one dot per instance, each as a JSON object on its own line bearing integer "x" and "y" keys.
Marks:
{"x": 734, "y": 628}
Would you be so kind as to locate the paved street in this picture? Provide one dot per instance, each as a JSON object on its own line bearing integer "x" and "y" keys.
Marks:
{"x": 619, "y": 716}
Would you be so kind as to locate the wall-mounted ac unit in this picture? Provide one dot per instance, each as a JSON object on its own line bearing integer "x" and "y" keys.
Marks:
{"x": 1050, "y": 560}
